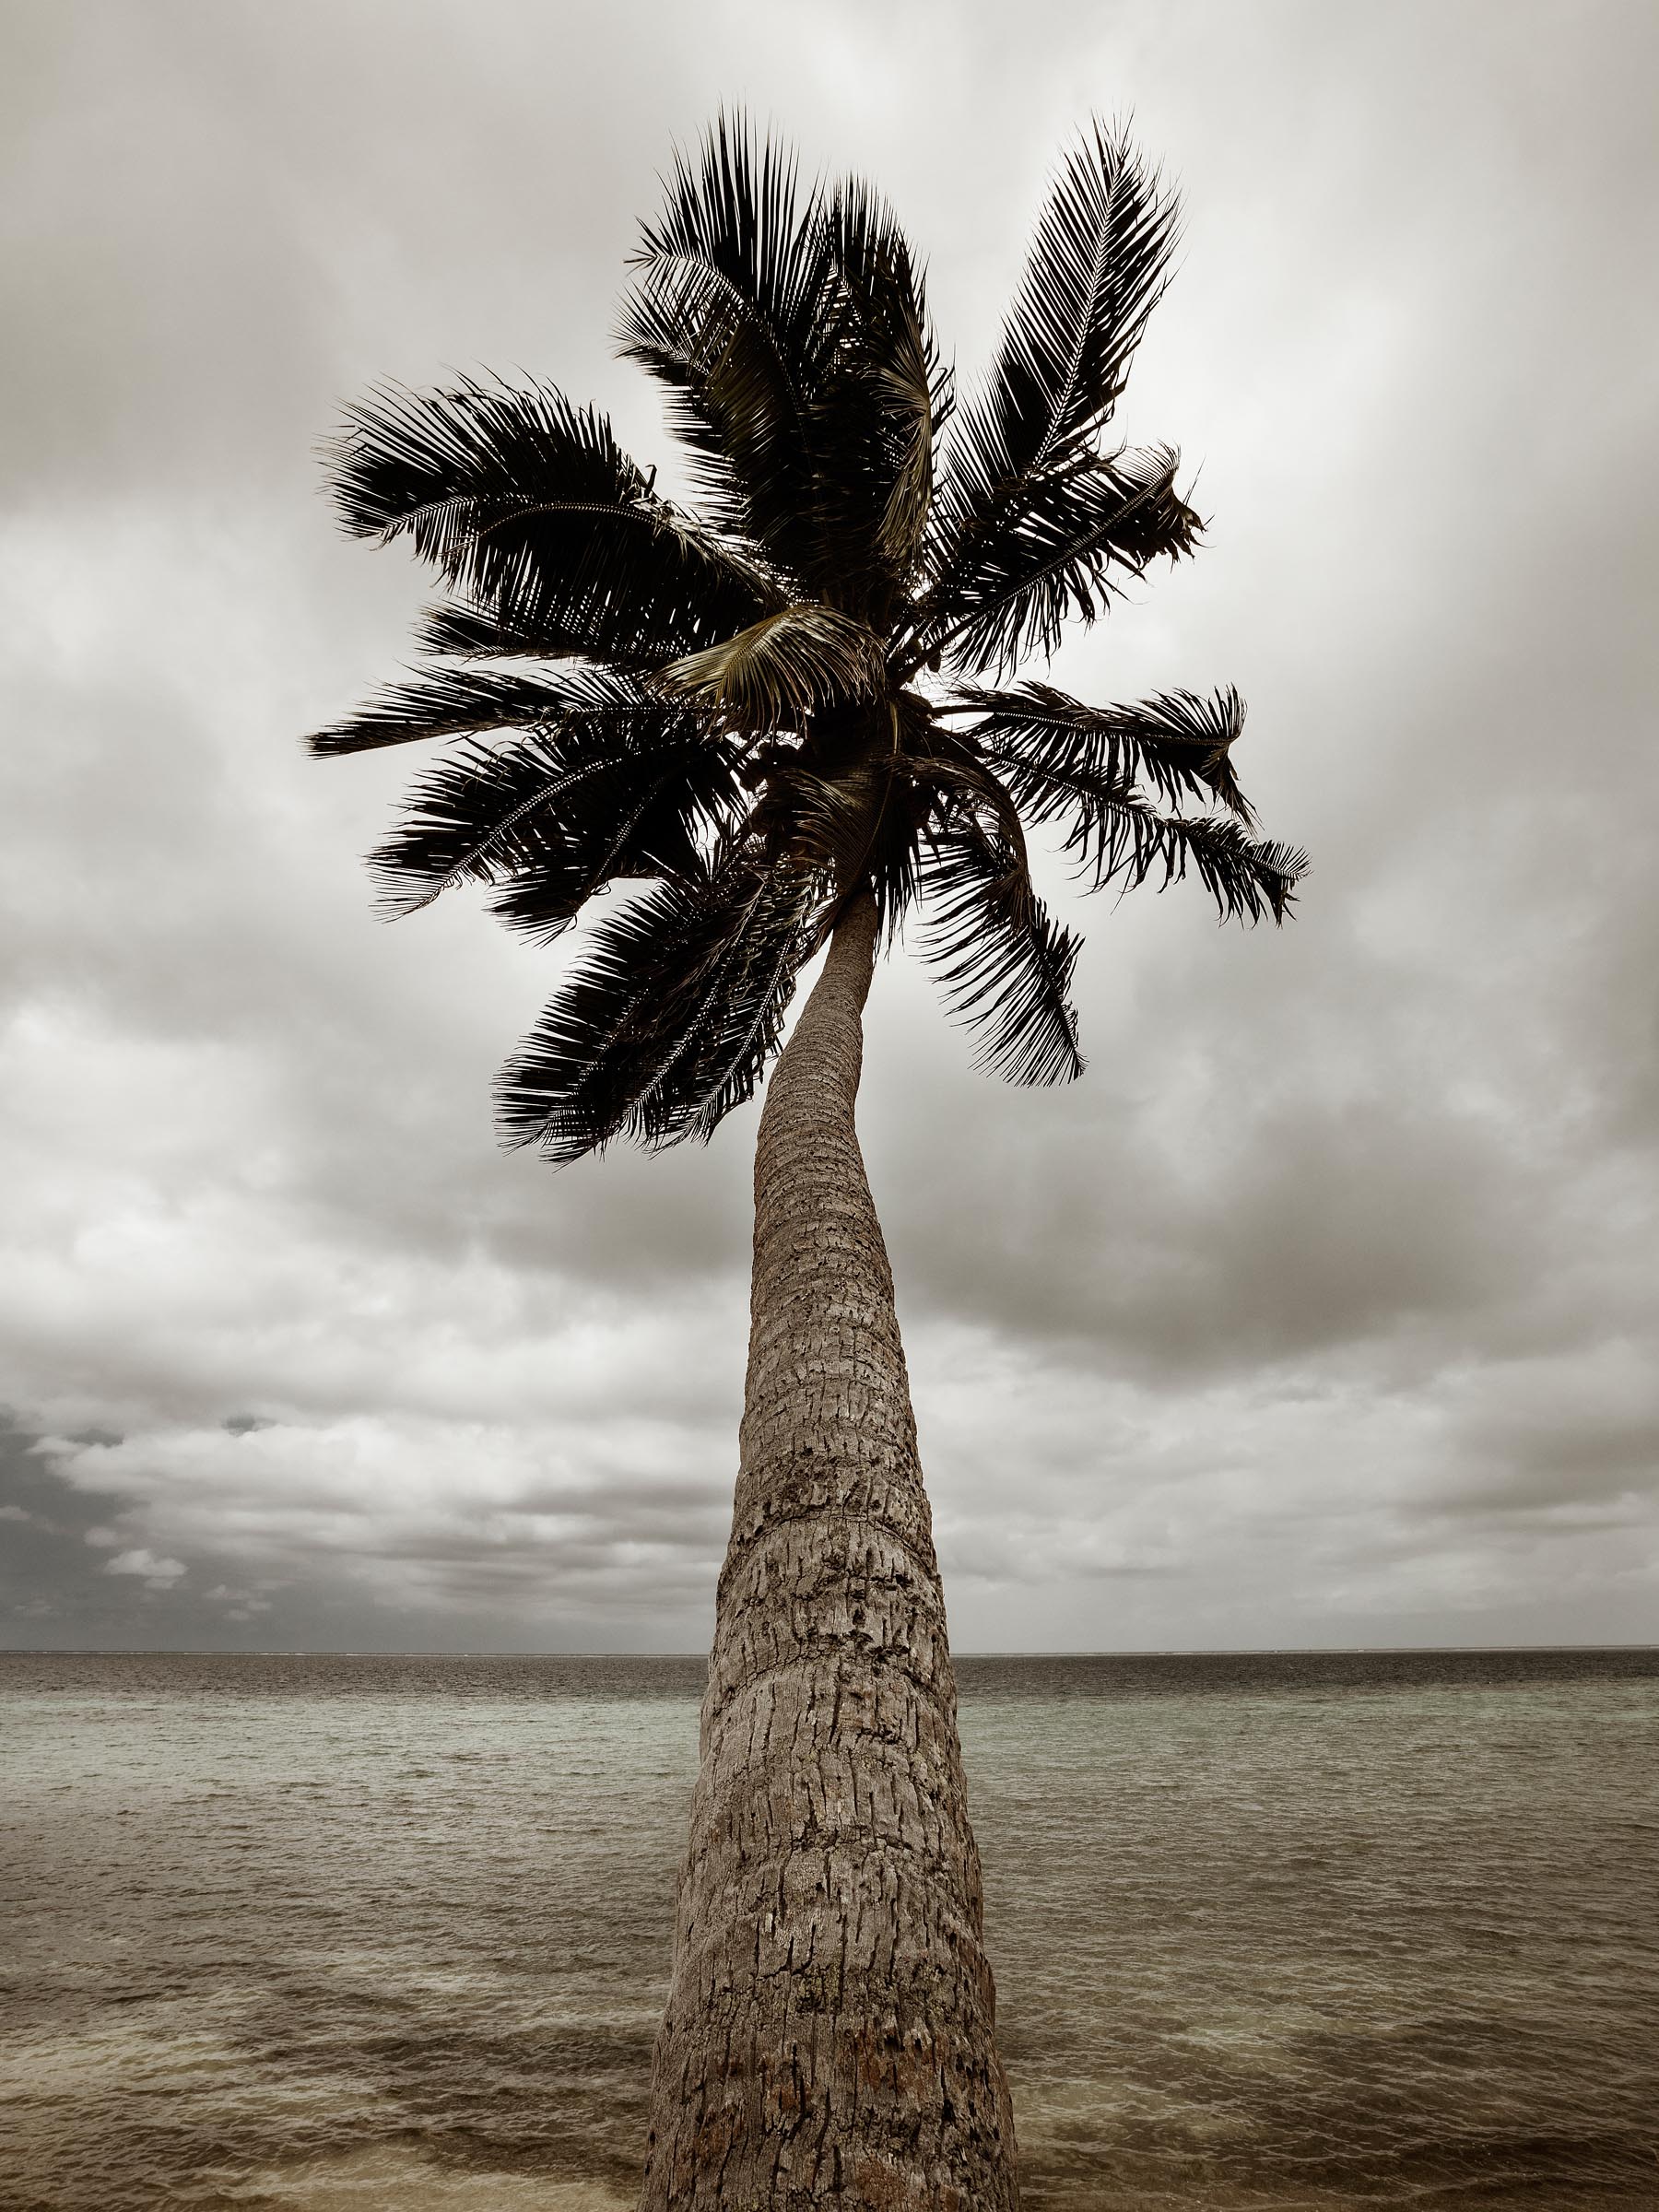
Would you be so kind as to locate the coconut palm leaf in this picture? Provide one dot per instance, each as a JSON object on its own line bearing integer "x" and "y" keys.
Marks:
{"x": 669, "y": 1016}
{"x": 1004, "y": 965}
{"x": 1118, "y": 836}
{"x": 528, "y": 505}
{"x": 447, "y": 703}
{"x": 1179, "y": 742}
{"x": 1248, "y": 877}
{"x": 1098, "y": 266}
{"x": 556, "y": 816}
{"x": 1060, "y": 555}
{"x": 858, "y": 828}
{"x": 793, "y": 332}
{"x": 464, "y": 630}
{"x": 732, "y": 284}
{"x": 881, "y": 403}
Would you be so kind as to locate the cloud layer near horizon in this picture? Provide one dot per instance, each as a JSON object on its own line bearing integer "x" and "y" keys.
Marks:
{"x": 1320, "y": 1310}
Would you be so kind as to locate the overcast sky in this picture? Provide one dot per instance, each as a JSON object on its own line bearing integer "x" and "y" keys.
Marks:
{"x": 1320, "y": 1311}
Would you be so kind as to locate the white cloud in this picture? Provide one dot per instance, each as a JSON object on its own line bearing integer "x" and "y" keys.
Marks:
{"x": 159, "y": 1574}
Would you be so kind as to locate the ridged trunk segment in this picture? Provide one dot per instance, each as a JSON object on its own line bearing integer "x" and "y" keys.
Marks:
{"x": 830, "y": 2035}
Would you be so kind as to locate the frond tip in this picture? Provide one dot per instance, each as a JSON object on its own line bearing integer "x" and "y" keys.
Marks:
{"x": 1179, "y": 742}
{"x": 1005, "y": 967}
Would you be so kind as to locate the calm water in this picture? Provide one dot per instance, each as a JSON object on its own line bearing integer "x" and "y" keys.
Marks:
{"x": 351, "y": 1934}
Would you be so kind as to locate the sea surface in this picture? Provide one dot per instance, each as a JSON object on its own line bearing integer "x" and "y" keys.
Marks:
{"x": 391, "y": 1935}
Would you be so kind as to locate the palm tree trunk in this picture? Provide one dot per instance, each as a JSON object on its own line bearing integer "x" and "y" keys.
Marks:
{"x": 829, "y": 2032}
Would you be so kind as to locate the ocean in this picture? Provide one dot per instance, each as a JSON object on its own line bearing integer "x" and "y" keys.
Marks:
{"x": 391, "y": 1935}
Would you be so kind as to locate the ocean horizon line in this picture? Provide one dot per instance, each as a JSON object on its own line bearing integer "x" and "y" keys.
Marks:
{"x": 1250, "y": 1650}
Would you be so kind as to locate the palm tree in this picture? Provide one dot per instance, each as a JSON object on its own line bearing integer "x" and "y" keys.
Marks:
{"x": 789, "y": 715}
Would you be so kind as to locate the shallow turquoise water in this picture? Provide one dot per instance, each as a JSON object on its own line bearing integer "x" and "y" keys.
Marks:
{"x": 340, "y": 1934}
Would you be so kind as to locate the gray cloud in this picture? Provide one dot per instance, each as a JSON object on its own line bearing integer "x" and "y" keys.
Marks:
{"x": 1317, "y": 1312}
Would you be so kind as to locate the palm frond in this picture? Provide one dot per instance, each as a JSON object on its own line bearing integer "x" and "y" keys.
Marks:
{"x": 727, "y": 311}
{"x": 793, "y": 332}
{"x": 822, "y": 820}
{"x": 1248, "y": 877}
{"x": 857, "y": 810}
{"x": 553, "y": 818}
{"x": 1060, "y": 555}
{"x": 883, "y": 398}
{"x": 1118, "y": 836}
{"x": 449, "y": 702}
{"x": 1177, "y": 741}
{"x": 736, "y": 212}
{"x": 1004, "y": 965}
{"x": 668, "y": 1019}
{"x": 528, "y": 506}
{"x": 1097, "y": 268}
{"x": 464, "y": 630}
{"x": 775, "y": 672}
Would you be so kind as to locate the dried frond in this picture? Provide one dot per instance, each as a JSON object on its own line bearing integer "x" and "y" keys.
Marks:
{"x": 774, "y": 673}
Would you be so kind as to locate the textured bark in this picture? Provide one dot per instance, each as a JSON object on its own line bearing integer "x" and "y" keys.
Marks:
{"x": 829, "y": 2032}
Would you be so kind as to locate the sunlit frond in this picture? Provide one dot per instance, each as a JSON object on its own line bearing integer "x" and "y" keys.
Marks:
{"x": 782, "y": 667}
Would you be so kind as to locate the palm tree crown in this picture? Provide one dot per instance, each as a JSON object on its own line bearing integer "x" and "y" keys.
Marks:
{"x": 803, "y": 690}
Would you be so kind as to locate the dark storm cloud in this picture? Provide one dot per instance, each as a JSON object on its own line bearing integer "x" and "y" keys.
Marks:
{"x": 1318, "y": 1310}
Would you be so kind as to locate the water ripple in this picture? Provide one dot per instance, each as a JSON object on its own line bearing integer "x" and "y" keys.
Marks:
{"x": 1271, "y": 1934}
